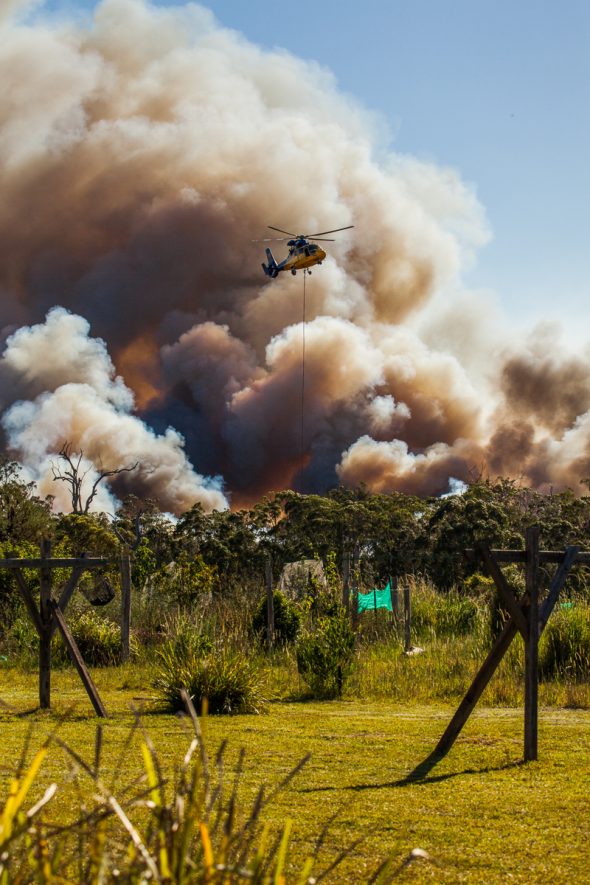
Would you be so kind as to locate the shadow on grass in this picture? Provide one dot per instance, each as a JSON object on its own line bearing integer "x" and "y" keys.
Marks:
{"x": 71, "y": 713}
{"x": 419, "y": 776}
{"x": 22, "y": 714}
{"x": 12, "y": 711}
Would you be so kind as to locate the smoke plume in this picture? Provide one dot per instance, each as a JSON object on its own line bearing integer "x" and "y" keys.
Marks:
{"x": 139, "y": 157}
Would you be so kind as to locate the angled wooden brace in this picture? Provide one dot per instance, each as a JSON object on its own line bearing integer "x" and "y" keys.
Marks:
{"x": 77, "y": 659}
{"x": 505, "y": 591}
{"x": 503, "y": 641}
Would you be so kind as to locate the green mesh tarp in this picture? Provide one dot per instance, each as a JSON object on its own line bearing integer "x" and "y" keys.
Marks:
{"x": 375, "y": 599}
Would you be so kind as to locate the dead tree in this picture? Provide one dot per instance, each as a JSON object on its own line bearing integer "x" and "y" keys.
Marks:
{"x": 73, "y": 475}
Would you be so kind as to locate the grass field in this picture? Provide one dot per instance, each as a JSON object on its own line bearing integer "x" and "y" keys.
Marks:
{"x": 480, "y": 814}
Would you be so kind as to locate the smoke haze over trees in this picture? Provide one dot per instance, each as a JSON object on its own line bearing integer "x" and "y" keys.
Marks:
{"x": 139, "y": 157}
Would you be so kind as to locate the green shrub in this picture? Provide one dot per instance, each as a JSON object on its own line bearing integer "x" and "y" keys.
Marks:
{"x": 287, "y": 619}
{"x": 479, "y": 586}
{"x": 319, "y": 601}
{"x": 10, "y": 602}
{"x": 565, "y": 645}
{"x": 22, "y": 641}
{"x": 333, "y": 579}
{"x": 98, "y": 639}
{"x": 457, "y": 615}
{"x": 324, "y": 656}
{"x": 226, "y": 679}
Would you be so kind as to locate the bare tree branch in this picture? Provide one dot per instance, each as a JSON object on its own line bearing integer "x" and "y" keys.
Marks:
{"x": 104, "y": 474}
{"x": 72, "y": 475}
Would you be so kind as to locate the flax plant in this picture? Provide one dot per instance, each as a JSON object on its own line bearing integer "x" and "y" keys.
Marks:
{"x": 17, "y": 822}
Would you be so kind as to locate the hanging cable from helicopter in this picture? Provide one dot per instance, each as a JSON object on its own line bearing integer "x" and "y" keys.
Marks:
{"x": 302, "y": 428}
{"x": 304, "y": 253}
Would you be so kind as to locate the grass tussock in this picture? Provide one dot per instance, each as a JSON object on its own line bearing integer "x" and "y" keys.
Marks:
{"x": 223, "y": 678}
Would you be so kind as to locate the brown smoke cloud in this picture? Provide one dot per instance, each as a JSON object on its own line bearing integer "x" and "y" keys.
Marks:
{"x": 138, "y": 159}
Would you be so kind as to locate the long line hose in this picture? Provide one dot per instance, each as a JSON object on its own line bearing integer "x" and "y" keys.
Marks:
{"x": 301, "y": 446}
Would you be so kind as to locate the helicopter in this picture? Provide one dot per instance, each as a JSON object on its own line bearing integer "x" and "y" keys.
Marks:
{"x": 303, "y": 253}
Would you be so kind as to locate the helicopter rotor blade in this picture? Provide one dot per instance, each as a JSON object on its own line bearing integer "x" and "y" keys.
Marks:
{"x": 322, "y": 239}
{"x": 281, "y": 231}
{"x": 270, "y": 240}
{"x": 322, "y": 232}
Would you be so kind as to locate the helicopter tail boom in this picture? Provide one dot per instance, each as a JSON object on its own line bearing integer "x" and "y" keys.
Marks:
{"x": 271, "y": 269}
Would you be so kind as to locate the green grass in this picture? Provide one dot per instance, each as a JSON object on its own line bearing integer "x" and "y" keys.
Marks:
{"x": 481, "y": 815}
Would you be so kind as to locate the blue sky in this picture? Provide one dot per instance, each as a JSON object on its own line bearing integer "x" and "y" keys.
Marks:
{"x": 496, "y": 89}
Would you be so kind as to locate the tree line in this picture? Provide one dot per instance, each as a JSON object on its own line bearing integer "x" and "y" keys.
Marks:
{"x": 387, "y": 535}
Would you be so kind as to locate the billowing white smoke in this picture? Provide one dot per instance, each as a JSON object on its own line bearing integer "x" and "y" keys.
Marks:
{"x": 73, "y": 396}
{"x": 138, "y": 158}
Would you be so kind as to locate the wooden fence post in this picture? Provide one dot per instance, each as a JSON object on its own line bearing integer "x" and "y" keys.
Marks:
{"x": 346, "y": 581}
{"x": 354, "y": 596}
{"x": 407, "y": 617}
{"x": 125, "y": 571}
{"x": 354, "y": 589}
{"x": 45, "y": 633}
{"x": 531, "y": 686}
{"x": 270, "y": 606}
{"x": 394, "y": 596}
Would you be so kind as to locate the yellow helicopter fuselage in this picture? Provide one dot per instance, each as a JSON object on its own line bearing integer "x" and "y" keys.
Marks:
{"x": 301, "y": 258}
